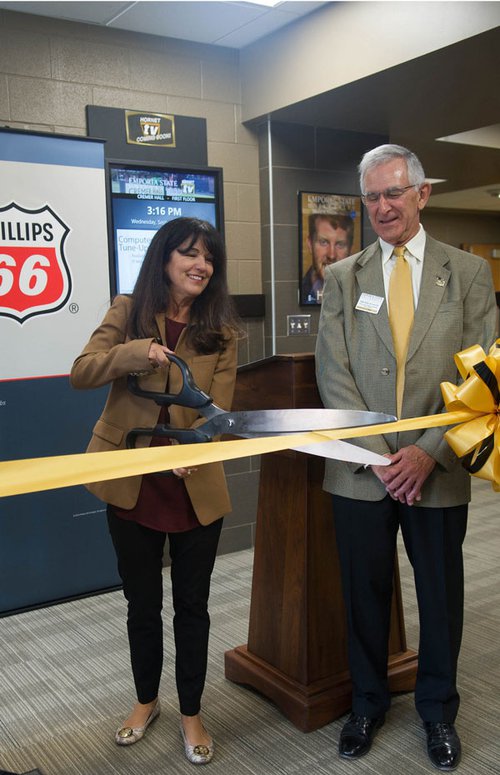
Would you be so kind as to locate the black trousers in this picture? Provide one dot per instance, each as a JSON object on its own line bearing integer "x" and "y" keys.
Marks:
{"x": 139, "y": 551}
{"x": 366, "y": 539}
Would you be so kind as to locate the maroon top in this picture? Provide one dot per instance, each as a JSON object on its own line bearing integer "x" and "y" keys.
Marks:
{"x": 163, "y": 502}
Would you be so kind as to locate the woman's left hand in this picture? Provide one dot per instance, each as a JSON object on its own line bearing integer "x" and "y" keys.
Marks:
{"x": 183, "y": 473}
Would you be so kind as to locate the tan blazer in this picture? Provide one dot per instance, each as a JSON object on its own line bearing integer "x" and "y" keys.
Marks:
{"x": 109, "y": 357}
{"x": 356, "y": 365}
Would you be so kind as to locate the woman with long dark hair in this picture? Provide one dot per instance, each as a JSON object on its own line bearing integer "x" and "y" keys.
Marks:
{"x": 180, "y": 304}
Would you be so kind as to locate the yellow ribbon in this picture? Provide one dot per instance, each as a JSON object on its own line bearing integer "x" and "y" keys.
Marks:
{"x": 472, "y": 406}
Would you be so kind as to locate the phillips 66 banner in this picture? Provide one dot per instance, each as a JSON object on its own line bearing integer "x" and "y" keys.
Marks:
{"x": 54, "y": 289}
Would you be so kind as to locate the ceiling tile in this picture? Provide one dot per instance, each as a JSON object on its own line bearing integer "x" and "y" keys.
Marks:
{"x": 203, "y": 22}
{"x": 227, "y": 23}
{"x": 90, "y": 12}
{"x": 251, "y": 31}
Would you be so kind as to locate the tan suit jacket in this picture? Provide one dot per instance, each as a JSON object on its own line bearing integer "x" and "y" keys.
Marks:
{"x": 356, "y": 365}
{"x": 109, "y": 357}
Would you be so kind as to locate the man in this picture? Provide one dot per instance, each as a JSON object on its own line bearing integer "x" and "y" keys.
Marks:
{"x": 449, "y": 305}
{"x": 330, "y": 239}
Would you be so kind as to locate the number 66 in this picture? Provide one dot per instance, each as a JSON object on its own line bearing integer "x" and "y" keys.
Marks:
{"x": 33, "y": 278}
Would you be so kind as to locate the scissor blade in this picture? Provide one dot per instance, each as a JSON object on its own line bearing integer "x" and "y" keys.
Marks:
{"x": 277, "y": 421}
{"x": 341, "y": 450}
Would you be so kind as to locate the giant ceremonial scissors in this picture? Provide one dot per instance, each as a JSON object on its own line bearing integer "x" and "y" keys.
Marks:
{"x": 251, "y": 424}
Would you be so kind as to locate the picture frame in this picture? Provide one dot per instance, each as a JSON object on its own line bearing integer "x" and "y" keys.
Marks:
{"x": 339, "y": 216}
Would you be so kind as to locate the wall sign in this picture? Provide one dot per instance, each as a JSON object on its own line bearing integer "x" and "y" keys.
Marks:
{"x": 34, "y": 274}
{"x": 54, "y": 290}
{"x": 188, "y": 145}
{"x": 150, "y": 129}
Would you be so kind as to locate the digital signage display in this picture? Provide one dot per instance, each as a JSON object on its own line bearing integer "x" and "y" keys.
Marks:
{"x": 142, "y": 198}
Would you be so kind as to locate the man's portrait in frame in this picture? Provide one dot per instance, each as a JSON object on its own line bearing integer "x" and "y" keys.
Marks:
{"x": 330, "y": 230}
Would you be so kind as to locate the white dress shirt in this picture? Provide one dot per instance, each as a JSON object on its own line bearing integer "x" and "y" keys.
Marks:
{"x": 414, "y": 254}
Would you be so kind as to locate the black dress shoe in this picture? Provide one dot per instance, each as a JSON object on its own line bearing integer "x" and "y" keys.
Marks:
{"x": 357, "y": 735}
{"x": 443, "y": 745}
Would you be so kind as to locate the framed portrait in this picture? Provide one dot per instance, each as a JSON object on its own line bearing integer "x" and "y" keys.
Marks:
{"x": 329, "y": 230}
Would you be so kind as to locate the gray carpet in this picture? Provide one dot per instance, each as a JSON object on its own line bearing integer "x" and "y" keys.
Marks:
{"x": 65, "y": 685}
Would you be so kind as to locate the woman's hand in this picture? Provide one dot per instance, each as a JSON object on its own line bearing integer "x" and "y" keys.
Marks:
{"x": 182, "y": 473}
{"x": 157, "y": 355}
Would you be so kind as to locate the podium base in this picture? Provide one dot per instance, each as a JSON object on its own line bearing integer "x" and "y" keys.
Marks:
{"x": 311, "y": 706}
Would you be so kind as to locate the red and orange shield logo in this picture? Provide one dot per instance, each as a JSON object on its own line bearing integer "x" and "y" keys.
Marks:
{"x": 34, "y": 275}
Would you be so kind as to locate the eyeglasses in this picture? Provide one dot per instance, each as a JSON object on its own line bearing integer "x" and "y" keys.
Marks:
{"x": 390, "y": 193}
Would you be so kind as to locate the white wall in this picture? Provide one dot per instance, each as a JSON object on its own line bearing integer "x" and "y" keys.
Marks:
{"x": 342, "y": 42}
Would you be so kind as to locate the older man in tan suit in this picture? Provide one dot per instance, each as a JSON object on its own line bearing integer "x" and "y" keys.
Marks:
{"x": 392, "y": 318}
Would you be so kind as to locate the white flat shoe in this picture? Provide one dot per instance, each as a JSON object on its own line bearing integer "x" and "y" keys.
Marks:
{"x": 130, "y": 735}
{"x": 197, "y": 754}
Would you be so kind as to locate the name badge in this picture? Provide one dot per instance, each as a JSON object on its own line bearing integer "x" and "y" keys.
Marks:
{"x": 368, "y": 302}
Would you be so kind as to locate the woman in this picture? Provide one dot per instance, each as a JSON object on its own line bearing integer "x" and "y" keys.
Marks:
{"x": 180, "y": 304}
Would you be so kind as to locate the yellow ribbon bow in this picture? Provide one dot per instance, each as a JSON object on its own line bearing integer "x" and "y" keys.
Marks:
{"x": 476, "y": 441}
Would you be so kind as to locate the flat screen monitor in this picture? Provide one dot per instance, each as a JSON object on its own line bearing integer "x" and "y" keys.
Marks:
{"x": 142, "y": 197}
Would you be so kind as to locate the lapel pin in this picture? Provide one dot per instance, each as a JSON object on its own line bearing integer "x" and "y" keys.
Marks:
{"x": 440, "y": 282}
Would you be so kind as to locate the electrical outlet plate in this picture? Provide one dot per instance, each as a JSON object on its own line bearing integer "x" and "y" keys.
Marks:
{"x": 298, "y": 325}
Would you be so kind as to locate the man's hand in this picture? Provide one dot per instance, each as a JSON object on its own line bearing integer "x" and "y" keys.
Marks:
{"x": 405, "y": 477}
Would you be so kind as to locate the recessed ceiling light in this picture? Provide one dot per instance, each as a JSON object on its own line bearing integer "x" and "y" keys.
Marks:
{"x": 435, "y": 180}
{"x": 486, "y": 136}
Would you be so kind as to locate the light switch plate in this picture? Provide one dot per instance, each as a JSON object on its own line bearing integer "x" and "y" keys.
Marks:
{"x": 298, "y": 325}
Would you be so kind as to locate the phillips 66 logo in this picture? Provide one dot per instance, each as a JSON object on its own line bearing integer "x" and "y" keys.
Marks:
{"x": 34, "y": 276}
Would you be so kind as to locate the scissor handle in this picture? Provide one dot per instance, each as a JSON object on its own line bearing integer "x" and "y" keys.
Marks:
{"x": 182, "y": 435}
{"x": 190, "y": 394}
{"x": 188, "y": 436}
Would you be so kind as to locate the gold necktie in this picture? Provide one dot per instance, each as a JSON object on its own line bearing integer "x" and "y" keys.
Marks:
{"x": 400, "y": 317}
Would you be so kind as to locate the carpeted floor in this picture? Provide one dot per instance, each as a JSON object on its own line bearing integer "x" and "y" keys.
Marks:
{"x": 65, "y": 685}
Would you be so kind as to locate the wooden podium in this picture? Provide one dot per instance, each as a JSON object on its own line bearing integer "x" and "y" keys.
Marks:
{"x": 297, "y": 651}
